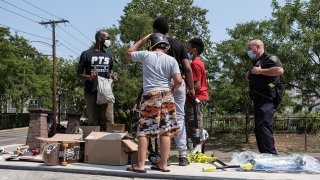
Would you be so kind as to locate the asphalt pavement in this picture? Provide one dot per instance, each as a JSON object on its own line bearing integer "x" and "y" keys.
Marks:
{"x": 37, "y": 170}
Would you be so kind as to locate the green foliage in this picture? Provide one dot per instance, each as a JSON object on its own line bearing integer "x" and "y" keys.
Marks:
{"x": 186, "y": 21}
{"x": 292, "y": 34}
{"x": 24, "y": 71}
{"x": 8, "y": 121}
{"x": 72, "y": 98}
{"x": 297, "y": 32}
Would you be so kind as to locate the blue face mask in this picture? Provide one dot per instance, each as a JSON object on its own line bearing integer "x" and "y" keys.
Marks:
{"x": 190, "y": 56}
{"x": 251, "y": 55}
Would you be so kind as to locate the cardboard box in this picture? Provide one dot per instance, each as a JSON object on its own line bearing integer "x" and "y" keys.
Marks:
{"x": 110, "y": 149}
{"x": 115, "y": 128}
{"x": 71, "y": 139}
{"x": 88, "y": 129}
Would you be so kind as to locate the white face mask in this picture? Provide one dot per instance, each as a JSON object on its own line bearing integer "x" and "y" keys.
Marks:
{"x": 107, "y": 43}
{"x": 190, "y": 57}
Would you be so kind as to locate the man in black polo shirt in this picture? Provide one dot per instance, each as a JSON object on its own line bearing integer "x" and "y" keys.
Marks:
{"x": 96, "y": 61}
{"x": 265, "y": 90}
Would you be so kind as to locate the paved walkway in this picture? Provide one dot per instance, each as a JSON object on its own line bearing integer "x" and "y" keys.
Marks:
{"x": 37, "y": 170}
{"x": 193, "y": 171}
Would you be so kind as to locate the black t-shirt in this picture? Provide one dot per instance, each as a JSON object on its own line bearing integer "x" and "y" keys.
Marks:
{"x": 95, "y": 61}
{"x": 178, "y": 51}
{"x": 259, "y": 82}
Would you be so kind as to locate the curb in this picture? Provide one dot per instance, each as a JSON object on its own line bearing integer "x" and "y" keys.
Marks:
{"x": 7, "y": 131}
{"x": 109, "y": 173}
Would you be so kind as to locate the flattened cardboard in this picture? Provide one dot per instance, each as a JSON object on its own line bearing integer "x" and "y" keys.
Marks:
{"x": 88, "y": 129}
{"x": 110, "y": 149}
{"x": 115, "y": 128}
{"x": 65, "y": 138}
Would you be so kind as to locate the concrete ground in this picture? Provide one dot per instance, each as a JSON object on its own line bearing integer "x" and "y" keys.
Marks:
{"x": 37, "y": 170}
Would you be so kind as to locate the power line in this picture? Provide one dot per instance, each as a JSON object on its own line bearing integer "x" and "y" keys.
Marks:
{"x": 58, "y": 18}
{"x": 24, "y": 53}
{"x": 25, "y": 32}
{"x": 43, "y": 24}
{"x": 44, "y": 51}
{"x": 19, "y": 15}
{"x": 80, "y": 32}
{"x": 41, "y": 9}
{"x": 24, "y": 10}
{"x": 68, "y": 48}
{"x": 68, "y": 42}
{"x": 72, "y": 36}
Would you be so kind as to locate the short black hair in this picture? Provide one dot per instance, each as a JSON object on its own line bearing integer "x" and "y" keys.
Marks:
{"x": 161, "y": 24}
{"x": 198, "y": 44}
{"x": 98, "y": 34}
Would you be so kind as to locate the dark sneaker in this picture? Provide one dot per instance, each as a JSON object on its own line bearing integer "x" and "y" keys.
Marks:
{"x": 183, "y": 161}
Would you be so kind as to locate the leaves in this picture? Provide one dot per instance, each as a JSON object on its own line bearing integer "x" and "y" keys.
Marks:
{"x": 24, "y": 71}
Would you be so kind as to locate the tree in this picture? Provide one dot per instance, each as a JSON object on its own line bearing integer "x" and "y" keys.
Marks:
{"x": 23, "y": 71}
{"x": 72, "y": 98}
{"x": 297, "y": 30}
{"x": 186, "y": 21}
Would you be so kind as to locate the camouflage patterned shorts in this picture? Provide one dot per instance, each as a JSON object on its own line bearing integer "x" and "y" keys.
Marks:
{"x": 158, "y": 115}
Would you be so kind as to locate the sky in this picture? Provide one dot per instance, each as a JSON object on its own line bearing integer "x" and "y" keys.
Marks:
{"x": 87, "y": 16}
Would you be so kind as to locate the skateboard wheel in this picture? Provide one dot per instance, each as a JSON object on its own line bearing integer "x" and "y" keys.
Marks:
{"x": 64, "y": 163}
{"x": 65, "y": 145}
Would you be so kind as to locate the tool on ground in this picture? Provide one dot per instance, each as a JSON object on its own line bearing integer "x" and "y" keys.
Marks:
{"x": 247, "y": 167}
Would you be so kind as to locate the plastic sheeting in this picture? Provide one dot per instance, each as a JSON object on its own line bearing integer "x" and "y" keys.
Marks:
{"x": 277, "y": 163}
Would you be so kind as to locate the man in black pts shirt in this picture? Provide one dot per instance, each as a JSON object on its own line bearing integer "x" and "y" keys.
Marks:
{"x": 96, "y": 61}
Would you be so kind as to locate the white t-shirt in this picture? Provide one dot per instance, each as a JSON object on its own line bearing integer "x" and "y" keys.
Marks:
{"x": 157, "y": 69}
{"x": 205, "y": 134}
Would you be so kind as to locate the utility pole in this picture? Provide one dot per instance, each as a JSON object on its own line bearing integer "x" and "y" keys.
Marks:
{"x": 54, "y": 67}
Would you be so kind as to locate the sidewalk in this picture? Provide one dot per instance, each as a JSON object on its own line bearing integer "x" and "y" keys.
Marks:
{"x": 6, "y": 131}
{"x": 193, "y": 171}
{"x": 36, "y": 170}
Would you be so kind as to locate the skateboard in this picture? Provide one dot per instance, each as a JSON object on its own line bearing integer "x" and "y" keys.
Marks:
{"x": 61, "y": 154}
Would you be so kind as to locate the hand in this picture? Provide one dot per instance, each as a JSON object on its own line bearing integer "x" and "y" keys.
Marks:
{"x": 256, "y": 70}
{"x": 247, "y": 76}
{"x": 173, "y": 89}
{"x": 93, "y": 75}
{"x": 145, "y": 39}
{"x": 190, "y": 91}
{"x": 134, "y": 109}
{"x": 115, "y": 79}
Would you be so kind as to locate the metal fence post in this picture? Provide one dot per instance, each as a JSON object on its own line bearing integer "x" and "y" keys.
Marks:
{"x": 305, "y": 134}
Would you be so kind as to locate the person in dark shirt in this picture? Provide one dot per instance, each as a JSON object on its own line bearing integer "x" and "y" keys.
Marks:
{"x": 265, "y": 90}
{"x": 96, "y": 61}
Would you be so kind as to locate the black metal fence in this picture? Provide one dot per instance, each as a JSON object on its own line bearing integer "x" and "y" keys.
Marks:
{"x": 291, "y": 133}
{"x": 281, "y": 125}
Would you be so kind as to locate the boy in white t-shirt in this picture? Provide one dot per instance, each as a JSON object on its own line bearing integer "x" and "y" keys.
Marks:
{"x": 157, "y": 110}
{"x": 205, "y": 137}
